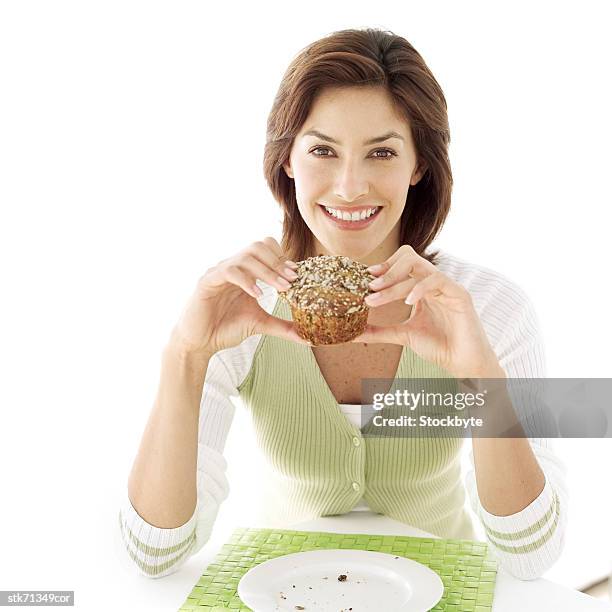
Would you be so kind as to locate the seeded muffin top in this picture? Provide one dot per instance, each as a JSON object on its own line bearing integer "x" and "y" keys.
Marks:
{"x": 329, "y": 285}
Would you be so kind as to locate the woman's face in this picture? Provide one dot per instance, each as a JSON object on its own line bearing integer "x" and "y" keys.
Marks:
{"x": 354, "y": 153}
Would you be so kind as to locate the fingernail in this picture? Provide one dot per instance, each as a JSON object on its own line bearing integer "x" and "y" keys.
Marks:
{"x": 375, "y": 268}
{"x": 283, "y": 282}
{"x": 292, "y": 264}
{"x": 290, "y": 273}
{"x": 373, "y": 297}
{"x": 377, "y": 283}
{"x": 410, "y": 298}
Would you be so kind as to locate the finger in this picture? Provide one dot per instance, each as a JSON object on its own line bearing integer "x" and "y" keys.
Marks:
{"x": 398, "y": 291}
{"x": 264, "y": 260}
{"x": 401, "y": 266}
{"x": 235, "y": 274}
{"x": 261, "y": 271}
{"x": 270, "y": 257}
{"x": 404, "y": 251}
{"x": 382, "y": 267}
{"x": 276, "y": 248}
{"x": 435, "y": 285}
{"x": 228, "y": 274}
{"x": 281, "y": 328}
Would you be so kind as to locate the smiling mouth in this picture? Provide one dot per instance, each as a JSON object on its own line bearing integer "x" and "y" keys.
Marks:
{"x": 351, "y": 219}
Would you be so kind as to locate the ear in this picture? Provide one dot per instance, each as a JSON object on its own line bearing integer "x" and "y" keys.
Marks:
{"x": 417, "y": 173}
{"x": 287, "y": 168}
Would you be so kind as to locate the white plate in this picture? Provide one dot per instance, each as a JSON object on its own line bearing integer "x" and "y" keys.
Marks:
{"x": 374, "y": 581}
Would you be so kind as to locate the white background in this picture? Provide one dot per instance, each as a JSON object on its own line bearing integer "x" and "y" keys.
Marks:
{"x": 131, "y": 143}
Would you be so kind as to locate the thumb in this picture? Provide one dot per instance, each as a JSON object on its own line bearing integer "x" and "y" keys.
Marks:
{"x": 273, "y": 326}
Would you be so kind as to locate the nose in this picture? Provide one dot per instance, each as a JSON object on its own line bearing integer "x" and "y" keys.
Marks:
{"x": 351, "y": 182}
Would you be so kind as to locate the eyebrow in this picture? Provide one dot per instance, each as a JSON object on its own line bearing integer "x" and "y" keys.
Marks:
{"x": 367, "y": 142}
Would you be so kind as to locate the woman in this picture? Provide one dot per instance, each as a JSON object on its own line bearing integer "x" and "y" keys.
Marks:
{"x": 357, "y": 157}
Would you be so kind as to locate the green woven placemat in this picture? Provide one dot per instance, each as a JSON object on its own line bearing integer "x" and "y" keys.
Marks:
{"x": 466, "y": 568}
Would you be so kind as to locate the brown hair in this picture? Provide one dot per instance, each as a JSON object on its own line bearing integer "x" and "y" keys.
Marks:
{"x": 364, "y": 58}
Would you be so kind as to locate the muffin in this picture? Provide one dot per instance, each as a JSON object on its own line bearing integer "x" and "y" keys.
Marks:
{"x": 327, "y": 299}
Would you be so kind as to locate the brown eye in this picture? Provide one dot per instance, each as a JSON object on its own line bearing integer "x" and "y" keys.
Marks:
{"x": 378, "y": 154}
{"x": 387, "y": 153}
{"x": 320, "y": 149}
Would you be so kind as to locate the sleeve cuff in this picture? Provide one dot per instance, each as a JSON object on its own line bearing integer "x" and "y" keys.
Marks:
{"x": 528, "y": 529}
{"x": 154, "y": 550}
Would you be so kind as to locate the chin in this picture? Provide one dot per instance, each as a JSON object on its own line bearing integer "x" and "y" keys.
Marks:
{"x": 356, "y": 251}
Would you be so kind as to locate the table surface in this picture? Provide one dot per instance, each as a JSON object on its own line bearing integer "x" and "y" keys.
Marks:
{"x": 511, "y": 594}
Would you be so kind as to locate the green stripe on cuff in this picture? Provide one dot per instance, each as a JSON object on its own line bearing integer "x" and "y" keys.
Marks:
{"x": 501, "y": 535}
{"x": 151, "y": 550}
{"x": 149, "y": 568}
{"x": 527, "y": 548}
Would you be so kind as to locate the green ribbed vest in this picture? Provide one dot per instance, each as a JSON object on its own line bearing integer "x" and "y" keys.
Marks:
{"x": 321, "y": 464}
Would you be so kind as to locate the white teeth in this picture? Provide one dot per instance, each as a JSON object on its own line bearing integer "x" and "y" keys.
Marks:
{"x": 356, "y": 216}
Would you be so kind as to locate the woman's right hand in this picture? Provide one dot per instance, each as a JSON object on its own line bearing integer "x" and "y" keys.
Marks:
{"x": 223, "y": 309}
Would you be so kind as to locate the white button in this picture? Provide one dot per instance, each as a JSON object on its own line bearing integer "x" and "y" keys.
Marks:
{"x": 356, "y": 441}
{"x": 356, "y": 486}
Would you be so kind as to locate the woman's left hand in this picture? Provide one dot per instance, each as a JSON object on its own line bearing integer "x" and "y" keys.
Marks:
{"x": 443, "y": 327}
